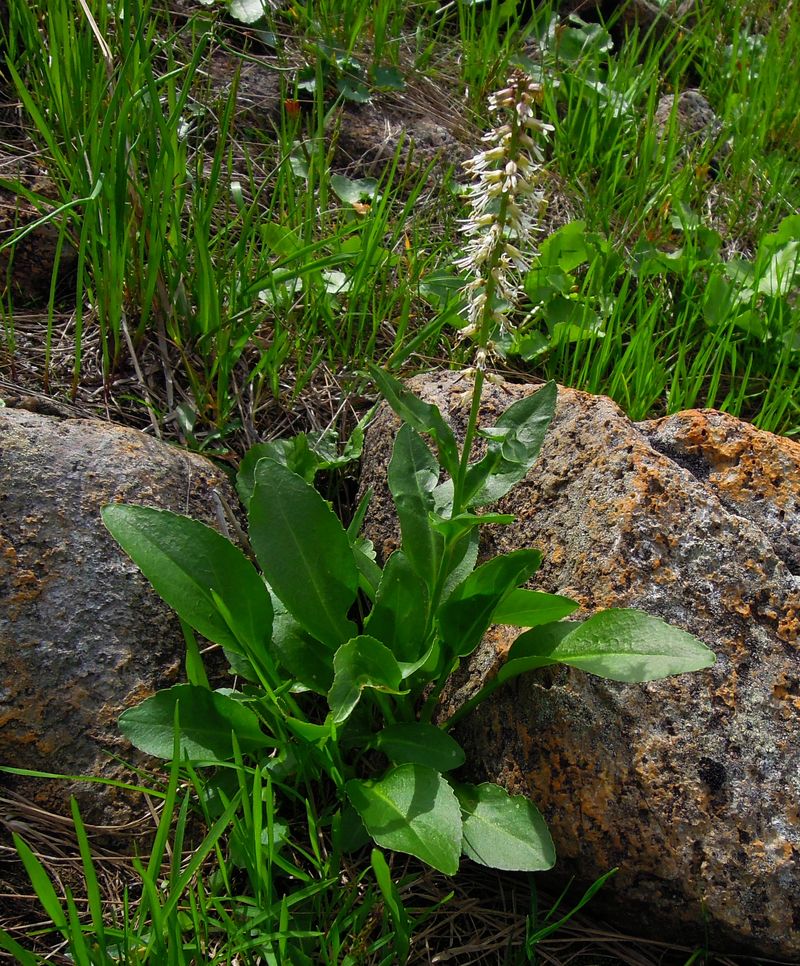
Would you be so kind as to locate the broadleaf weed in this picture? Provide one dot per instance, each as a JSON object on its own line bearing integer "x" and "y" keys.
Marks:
{"x": 382, "y": 680}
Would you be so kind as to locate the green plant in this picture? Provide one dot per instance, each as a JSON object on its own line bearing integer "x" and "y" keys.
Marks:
{"x": 342, "y": 72}
{"x": 426, "y": 610}
{"x": 161, "y": 929}
{"x": 344, "y": 660}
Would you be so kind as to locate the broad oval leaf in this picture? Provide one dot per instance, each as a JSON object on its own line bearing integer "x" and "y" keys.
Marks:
{"x": 369, "y": 572}
{"x": 504, "y": 831}
{"x": 530, "y": 608}
{"x": 352, "y": 836}
{"x": 187, "y": 563}
{"x": 783, "y": 269}
{"x": 349, "y": 190}
{"x": 465, "y": 616}
{"x": 305, "y": 454}
{"x": 248, "y": 11}
{"x": 531, "y": 650}
{"x": 463, "y": 563}
{"x": 620, "y": 644}
{"x": 566, "y": 248}
{"x": 206, "y": 720}
{"x": 304, "y": 552}
{"x": 361, "y": 663}
{"x": 314, "y": 734}
{"x": 388, "y": 78}
{"x": 413, "y": 468}
{"x": 421, "y": 743}
{"x": 412, "y": 809}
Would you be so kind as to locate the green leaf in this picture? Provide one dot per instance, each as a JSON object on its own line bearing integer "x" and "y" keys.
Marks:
{"x": 206, "y": 718}
{"x": 566, "y": 248}
{"x": 352, "y": 834}
{"x": 281, "y": 239}
{"x": 412, "y": 809}
{"x": 413, "y": 474}
{"x": 422, "y": 416}
{"x": 248, "y": 11}
{"x": 463, "y": 564}
{"x": 360, "y": 514}
{"x": 440, "y": 289}
{"x": 719, "y": 300}
{"x": 422, "y": 744}
{"x": 788, "y": 230}
{"x": 623, "y": 645}
{"x": 388, "y": 78}
{"x": 195, "y": 669}
{"x": 516, "y": 440}
{"x": 361, "y": 663}
{"x": 391, "y": 897}
{"x": 504, "y": 831}
{"x": 292, "y": 453}
{"x": 784, "y": 266}
{"x": 351, "y": 191}
{"x": 304, "y": 552}
{"x": 325, "y": 444}
{"x": 548, "y": 636}
{"x": 583, "y": 39}
{"x": 530, "y": 608}
{"x": 21, "y": 956}
{"x": 550, "y": 926}
{"x": 42, "y": 885}
{"x": 241, "y": 844}
{"x": 355, "y": 90}
{"x": 308, "y": 731}
{"x": 456, "y": 527}
{"x": 465, "y": 616}
{"x": 369, "y": 572}
{"x": 526, "y": 422}
{"x": 363, "y": 549}
{"x": 399, "y": 616}
{"x": 188, "y": 563}
{"x": 305, "y": 454}
{"x": 304, "y": 657}
{"x": 530, "y": 346}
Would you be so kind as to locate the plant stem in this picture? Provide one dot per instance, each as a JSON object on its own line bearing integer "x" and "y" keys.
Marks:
{"x": 469, "y": 436}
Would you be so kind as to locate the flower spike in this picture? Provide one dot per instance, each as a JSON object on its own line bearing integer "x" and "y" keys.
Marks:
{"x": 500, "y": 228}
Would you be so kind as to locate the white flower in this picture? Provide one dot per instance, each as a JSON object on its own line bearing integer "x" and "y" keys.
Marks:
{"x": 501, "y": 226}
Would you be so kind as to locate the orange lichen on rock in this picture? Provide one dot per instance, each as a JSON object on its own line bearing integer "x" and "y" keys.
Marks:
{"x": 690, "y": 784}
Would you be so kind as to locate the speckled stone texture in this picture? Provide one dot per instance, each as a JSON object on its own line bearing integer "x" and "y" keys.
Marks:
{"x": 82, "y": 635}
{"x": 690, "y": 785}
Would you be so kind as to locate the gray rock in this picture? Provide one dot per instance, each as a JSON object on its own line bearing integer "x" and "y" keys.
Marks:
{"x": 82, "y": 635}
{"x": 695, "y": 123}
{"x": 690, "y": 785}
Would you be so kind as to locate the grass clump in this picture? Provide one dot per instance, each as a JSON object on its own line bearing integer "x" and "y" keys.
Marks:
{"x": 225, "y": 268}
